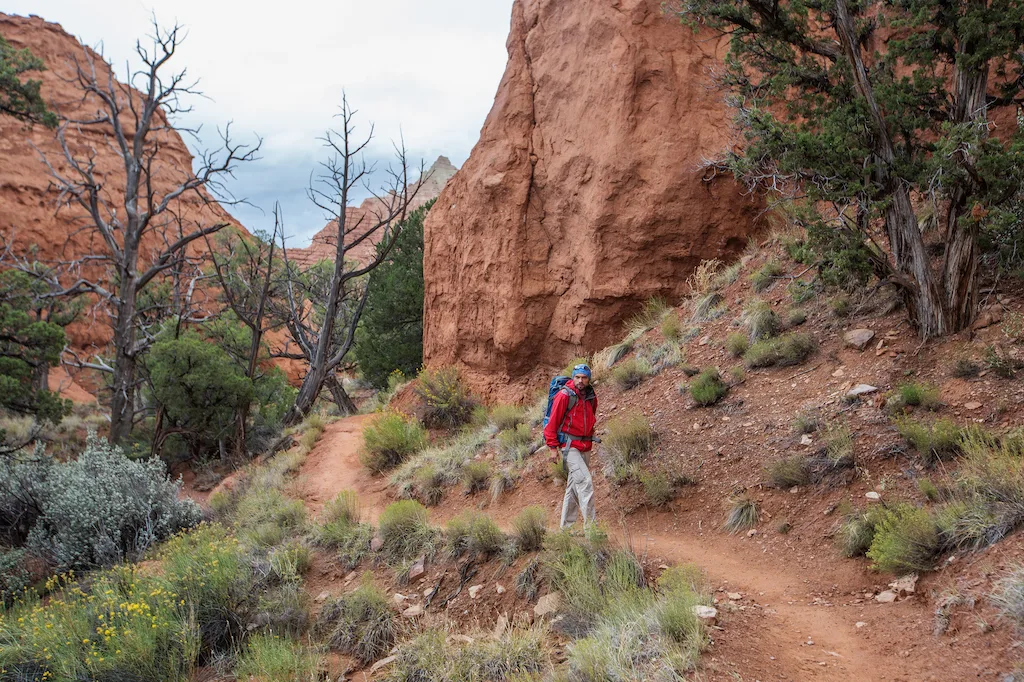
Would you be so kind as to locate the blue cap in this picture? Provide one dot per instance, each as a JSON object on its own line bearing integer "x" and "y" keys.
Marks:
{"x": 581, "y": 369}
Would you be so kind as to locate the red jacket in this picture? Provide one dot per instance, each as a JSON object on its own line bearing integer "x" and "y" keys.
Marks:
{"x": 580, "y": 420}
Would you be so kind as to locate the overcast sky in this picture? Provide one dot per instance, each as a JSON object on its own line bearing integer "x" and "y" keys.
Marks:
{"x": 424, "y": 70}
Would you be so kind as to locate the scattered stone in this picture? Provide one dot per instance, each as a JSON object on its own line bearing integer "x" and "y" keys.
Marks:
{"x": 886, "y": 597}
{"x": 873, "y": 496}
{"x": 734, "y": 596}
{"x": 322, "y": 597}
{"x": 752, "y": 532}
{"x": 382, "y": 662}
{"x": 474, "y": 590}
{"x": 376, "y": 543}
{"x": 465, "y": 639}
{"x": 860, "y": 389}
{"x": 707, "y": 614}
{"x": 427, "y": 593}
{"x": 973, "y": 405}
{"x": 399, "y": 598}
{"x": 413, "y": 611}
{"x": 794, "y": 490}
{"x": 806, "y": 440}
{"x": 839, "y": 373}
{"x": 500, "y": 589}
{"x": 858, "y": 338}
{"x": 350, "y": 576}
{"x": 548, "y": 604}
{"x": 501, "y": 625}
{"x": 418, "y": 568}
{"x": 904, "y": 586}
{"x": 859, "y": 624}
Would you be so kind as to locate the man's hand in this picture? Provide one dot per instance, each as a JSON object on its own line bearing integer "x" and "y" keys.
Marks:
{"x": 556, "y": 455}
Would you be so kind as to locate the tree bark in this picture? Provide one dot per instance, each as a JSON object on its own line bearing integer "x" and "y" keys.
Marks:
{"x": 341, "y": 398}
{"x": 122, "y": 399}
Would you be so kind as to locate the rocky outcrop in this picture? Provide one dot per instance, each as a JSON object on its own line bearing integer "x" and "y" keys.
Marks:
{"x": 29, "y": 216}
{"x": 583, "y": 196}
{"x": 324, "y": 244}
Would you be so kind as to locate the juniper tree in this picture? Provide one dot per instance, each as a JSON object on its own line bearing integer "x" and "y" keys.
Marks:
{"x": 870, "y": 110}
{"x": 19, "y": 98}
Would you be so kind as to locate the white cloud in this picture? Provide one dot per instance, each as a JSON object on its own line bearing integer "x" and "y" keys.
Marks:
{"x": 426, "y": 71}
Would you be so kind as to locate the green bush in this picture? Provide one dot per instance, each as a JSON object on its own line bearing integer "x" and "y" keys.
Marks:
{"x": 473, "y": 533}
{"x": 761, "y": 321}
{"x": 631, "y": 372}
{"x": 802, "y": 291}
{"x": 906, "y": 540}
{"x": 389, "y": 440}
{"x": 788, "y": 349}
{"x": 505, "y": 417}
{"x": 390, "y": 333}
{"x": 737, "y": 344}
{"x": 104, "y": 508}
{"x": 743, "y": 514}
{"x": 447, "y": 403}
{"x": 707, "y": 388}
{"x": 764, "y": 277}
{"x": 269, "y": 658}
{"x": 475, "y": 476}
{"x": 629, "y": 436}
{"x": 858, "y": 531}
{"x": 517, "y": 656}
{"x": 529, "y": 527}
{"x": 789, "y": 472}
{"x": 575, "y": 573}
{"x": 406, "y": 531}
{"x": 796, "y": 317}
{"x": 841, "y": 305}
{"x": 935, "y": 442}
{"x": 658, "y": 489}
{"x": 14, "y": 577}
{"x": 360, "y": 624}
{"x": 921, "y": 395}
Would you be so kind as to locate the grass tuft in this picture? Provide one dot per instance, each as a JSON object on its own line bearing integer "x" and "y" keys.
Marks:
{"x": 390, "y": 439}
{"x": 789, "y": 472}
{"x": 919, "y": 395}
{"x": 906, "y": 540}
{"x": 505, "y": 417}
{"x": 475, "y": 476}
{"x": 934, "y": 442}
{"x": 360, "y": 624}
{"x": 743, "y": 514}
{"x": 649, "y": 317}
{"x": 406, "y": 532}
{"x": 783, "y": 351}
{"x": 764, "y": 277}
{"x": 529, "y": 527}
{"x": 761, "y": 321}
{"x": 473, "y": 533}
{"x": 631, "y": 372}
{"x": 737, "y": 344}
{"x": 629, "y": 436}
{"x": 707, "y": 388}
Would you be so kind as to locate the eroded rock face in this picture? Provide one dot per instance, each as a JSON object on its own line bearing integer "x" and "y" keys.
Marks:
{"x": 583, "y": 196}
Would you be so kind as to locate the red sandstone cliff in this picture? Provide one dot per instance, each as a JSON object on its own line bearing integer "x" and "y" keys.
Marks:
{"x": 28, "y": 210}
{"x": 582, "y": 197}
{"x": 324, "y": 245}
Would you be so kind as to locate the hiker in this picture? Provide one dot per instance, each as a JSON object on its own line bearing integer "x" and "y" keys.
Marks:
{"x": 569, "y": 433}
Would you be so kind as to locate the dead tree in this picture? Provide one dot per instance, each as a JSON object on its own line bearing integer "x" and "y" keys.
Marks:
{"x": 322, "y": 305}
{"x": 134, "y": 117}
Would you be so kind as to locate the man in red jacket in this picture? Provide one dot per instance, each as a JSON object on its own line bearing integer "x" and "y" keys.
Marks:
{"x": 570, "y": 436}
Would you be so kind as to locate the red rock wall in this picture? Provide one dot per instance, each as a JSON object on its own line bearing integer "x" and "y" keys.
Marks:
{"x": 582, "y": 197}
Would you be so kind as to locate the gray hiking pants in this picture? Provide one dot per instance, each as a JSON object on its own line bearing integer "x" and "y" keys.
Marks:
{"x": 579, "y": 490}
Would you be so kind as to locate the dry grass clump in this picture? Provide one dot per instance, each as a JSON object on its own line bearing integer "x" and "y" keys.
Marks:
{"x": 515, "y": 444}
{"x": 406, "y": 532}
{"x": 630, "y": 436}
{"x": 934, "y": 442}
{"x": 360, "y": 624}
{"x": 529, "y": 527}
{"x": 447, "y": 403}
{"x": 783, "y": 351}
{"x": 707, "y": 388}
{"x": 705, "y": 277}
{"x": 390, "y": 439}
{"x": 708, "y": 307}
{"x": 764, "y": 277}
{"x": 270, "y": 657}
{"x": 737, "y": 344}
{"x": 671, "y": 327}
{"x": 631, "y": 372}
{"x": 858, "y": 531}
{"x": 649, "y": 317}
{"x": 475, "y": 476}
{"x": 474, "y": 533}
{"x": 505, "y": 417}
{"x": 743, "y": 514}
{"x": 789, "y": 472}
{"x": 1008, "y": 596}
{"x": 761, "y": 321}
{"x": 658, "y": 489}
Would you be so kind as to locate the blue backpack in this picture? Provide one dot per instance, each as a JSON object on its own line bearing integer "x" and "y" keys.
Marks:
{"x": 558, "y": 384}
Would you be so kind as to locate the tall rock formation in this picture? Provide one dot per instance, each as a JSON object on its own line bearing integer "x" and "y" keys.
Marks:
{"x": 324, "y": 244}
{"x": 29, "y": 215}
{"x": 583, "y": 196}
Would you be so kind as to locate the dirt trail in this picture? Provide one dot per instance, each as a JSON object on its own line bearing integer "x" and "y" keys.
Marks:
{"x": 774, "y": 632}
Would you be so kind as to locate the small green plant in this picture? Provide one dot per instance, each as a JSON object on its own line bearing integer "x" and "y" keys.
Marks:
{"x": 1000, "y": 362}
{"x": 918, "y": 395}
{"x": 344, "y": 508}
{"x": 727, "y": 276}
{"x": 515, "y": 444}
{"x": 737, "y": 375}
{"x": 838, "y": 443}
{"x": 841, "y": 305}
{"x": 928, "y": 489}
{"x": 906, "y": 540}
{"x": 671, "y": 327}
{"x": 630, "y": 436}
{"x": 737, "y": 344}
{"x": 743, "y": 514}
{"x": 761, "y": 321}
{"x": 764, "y": 277}
{"x": 658, "y": 489}
{"x": 473, "y": 533}
{"x": 428, "y": 484}
{"x": 559, "y": 471}
{"x": 786, "y": 350}
{"x": 965, "y": 368}
{"x": 290, "y": 561}
{"x": 268, "y": 657}
{"x": 707, "y": 388}
{"x": 806, "y": 422}
{"x": 405, "y": 531}
{"x": 447, "y": 403}
{"x": 934, "y": 442}
{"x": 502, "y": 482}
{"x": 505, "y": 417}
{"x": 475, "y": 476}
{"x": 389, "y": 439}
{"x": 796, "y": 317}
{"x": 858, "y": 531}
{"x": 359, "y": 624}
{"x": 529, "y": 527}
{"x": 789, "y": 472}
{"x": 631, "y": 372}
{"x": 802, "y": 291}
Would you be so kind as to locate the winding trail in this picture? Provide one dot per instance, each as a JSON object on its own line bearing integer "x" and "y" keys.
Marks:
{"x": 776, "y": 631}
